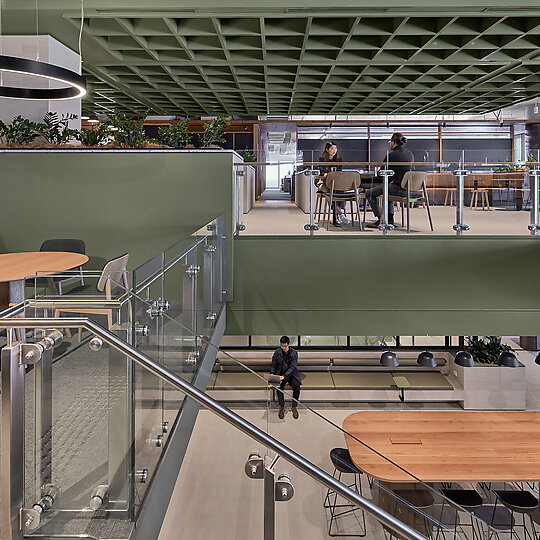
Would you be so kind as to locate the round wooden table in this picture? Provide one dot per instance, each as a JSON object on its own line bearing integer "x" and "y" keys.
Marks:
{"x": 16, "y": 267}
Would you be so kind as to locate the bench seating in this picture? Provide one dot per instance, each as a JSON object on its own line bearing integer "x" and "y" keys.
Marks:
{"x": 351, "y": 376}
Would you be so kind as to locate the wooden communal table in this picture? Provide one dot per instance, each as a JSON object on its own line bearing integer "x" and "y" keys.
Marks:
{"x": 446, "y": 446}
{"x": 15, "y": 267}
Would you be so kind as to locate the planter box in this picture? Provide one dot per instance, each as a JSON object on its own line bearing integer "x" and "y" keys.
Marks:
{"x": 491, "y": 387}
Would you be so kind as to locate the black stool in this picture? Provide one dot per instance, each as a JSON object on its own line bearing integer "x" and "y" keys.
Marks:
{"x": 413, "y": 500}
{"x": 468, "y": 499}
{"x": 343, "y": 464}
{"x": 519, "y": 502}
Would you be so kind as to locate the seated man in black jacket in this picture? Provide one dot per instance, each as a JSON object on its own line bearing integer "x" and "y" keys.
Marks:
{"x": 285, "y": 364}
{"x": 398, "y": 160}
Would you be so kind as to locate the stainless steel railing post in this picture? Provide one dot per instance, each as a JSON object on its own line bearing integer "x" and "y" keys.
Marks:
{"x": 384, "y": 226}
{"x": 459, "y": 226}
{"x": 239, "y": 225}
{"x": 12, "y": 441}
{"x": 311, "y": 226}
{"x": 13, "y": 359}
{"x": 534, "y": 227}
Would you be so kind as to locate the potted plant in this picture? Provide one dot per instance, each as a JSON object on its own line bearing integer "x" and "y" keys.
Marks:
{"x": 486, "y": 384}
{"x": 177, "y": 135}
{"x": 55, "y": 129}
{"x": 486, "y": 349}
{"x": 130, "y": 132}
{"x": 95, "y": 135}
{"x": 21, "y": 131}
{"x": 248, "y": 155}
{"x": 214, "y": 132}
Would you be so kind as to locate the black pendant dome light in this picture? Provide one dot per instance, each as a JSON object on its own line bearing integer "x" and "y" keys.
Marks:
{"x": 76, "y": 84}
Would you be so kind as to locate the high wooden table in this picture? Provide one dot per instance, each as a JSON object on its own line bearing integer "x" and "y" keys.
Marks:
{"x": 446, "y": 446}
{"x": 15, "y": 267}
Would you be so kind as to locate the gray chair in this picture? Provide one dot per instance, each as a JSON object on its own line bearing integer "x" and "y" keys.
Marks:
{"x": 57, "y": 282}
{"x": 414, "y": 183}
{"x": 343, "y": 186}
{"x": 113, "y": 277}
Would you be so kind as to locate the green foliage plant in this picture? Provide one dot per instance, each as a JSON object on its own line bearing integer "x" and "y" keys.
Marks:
{"x": 248, "y": 155}
{"x": 130, "y": 132}
{"x": 486, "y": 349}
{"x": 94, "y": 135}
{"x": 20, "y": 132}
{"x": 176, "y": 135}
{"x": 55, "y": 129}
{"x": 214, "y": 131}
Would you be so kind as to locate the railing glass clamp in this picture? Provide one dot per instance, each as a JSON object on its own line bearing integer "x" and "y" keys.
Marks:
{"x": 254, "y": 467}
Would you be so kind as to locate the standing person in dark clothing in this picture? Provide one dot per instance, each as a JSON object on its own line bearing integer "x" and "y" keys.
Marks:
{"x": 404, "y": 157}
{"x": 330, "y": 155}
{"x": 285, "y": 364}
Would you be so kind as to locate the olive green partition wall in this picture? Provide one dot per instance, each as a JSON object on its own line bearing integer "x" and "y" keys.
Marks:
{"x": 116, "y": 201}
{"x": 386, "y": 286}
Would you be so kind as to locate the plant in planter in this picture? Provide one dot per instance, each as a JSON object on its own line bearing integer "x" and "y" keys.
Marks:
{"x": 95, "y": 135}
{"x": 214, "y": 131}
{"x": 486, "y": 349}
{"x": 20, "y": 132}
{"x": 130, "y": 132}
{"x": 55, "y": 130}
{"x": 248, "y": 155}
{"x": 176, "y": 135}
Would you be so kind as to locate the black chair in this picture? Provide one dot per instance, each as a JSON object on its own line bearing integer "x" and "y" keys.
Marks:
{"x": 468, "y": 499}
{"x": 56, "y": 283}
{"x": 520, "y": 502}
{"x": 343, "y": 464}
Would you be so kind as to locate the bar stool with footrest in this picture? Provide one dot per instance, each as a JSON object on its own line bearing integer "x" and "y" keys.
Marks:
{"x": 417, "y": 502}
{"x": 468, "y": 499}
{"x": 518, "y": 502}
{"x": 343, "y": 464}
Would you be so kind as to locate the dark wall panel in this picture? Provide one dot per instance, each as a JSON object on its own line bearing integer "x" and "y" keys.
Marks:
{"x": 478, "y": 149}
{"x": 243, "y": 141}
{"x": 424, "y": 150}
{"x": 348, "y": 149}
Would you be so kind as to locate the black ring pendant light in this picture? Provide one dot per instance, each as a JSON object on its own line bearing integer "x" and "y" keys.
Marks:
{"x": 13, "y": 64}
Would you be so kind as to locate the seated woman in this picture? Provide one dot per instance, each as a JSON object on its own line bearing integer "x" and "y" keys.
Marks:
{"x": 331, "y": 156}
{"x": 404, "y": 157}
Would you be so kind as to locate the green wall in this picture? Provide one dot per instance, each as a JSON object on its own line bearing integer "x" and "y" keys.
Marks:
{"x": 436, "y": 285}
{"x": 117, "y": 202}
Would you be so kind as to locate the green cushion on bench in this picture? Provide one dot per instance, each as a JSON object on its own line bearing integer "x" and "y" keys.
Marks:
{"x": 432, "y": 380}
{"x": 362, "y": 380}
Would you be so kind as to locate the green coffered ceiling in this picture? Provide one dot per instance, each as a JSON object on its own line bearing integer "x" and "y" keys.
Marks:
{"x": 258, "y": 61}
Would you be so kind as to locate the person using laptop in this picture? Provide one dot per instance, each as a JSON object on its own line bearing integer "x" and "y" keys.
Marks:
{"x": 285, "y": 364}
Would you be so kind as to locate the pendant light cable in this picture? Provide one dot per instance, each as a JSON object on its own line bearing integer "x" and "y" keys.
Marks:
{"x": 37, "y": 32}
{"x": 80, "y": 32}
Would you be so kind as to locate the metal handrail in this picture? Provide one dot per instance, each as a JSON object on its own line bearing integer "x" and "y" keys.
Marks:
{"x": 226, "y": 414}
